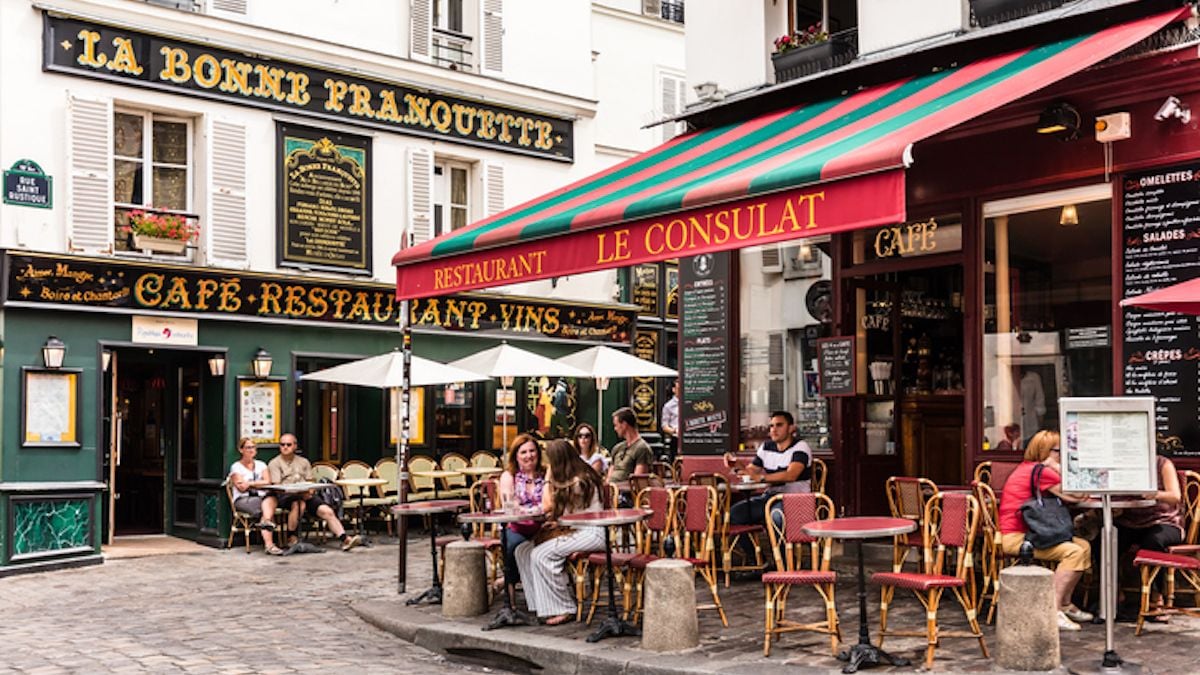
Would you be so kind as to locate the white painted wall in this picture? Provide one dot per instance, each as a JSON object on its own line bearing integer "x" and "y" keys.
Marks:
{"x": 732, "y": 47}
{"x": 884, "y": 24}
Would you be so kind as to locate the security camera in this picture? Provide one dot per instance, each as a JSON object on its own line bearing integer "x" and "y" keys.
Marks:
{"x": 1172, "y": 108}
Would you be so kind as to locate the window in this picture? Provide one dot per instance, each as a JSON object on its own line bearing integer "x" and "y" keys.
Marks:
{"x": 152, "y": 166}
{"x": 451, "y": 196}
{"x": 672, "y": 90}
{"x": 451, "y": 36}
{"x": 448, "y": 15}
{"x": 458, "y": 34}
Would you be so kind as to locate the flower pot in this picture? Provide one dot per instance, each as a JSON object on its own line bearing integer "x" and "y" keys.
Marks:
{"x": 838, "y": 50}
{"x": 159, "y": 244}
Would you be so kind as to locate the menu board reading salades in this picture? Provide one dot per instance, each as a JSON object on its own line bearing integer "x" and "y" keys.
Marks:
{"x": 1161, "y": 246}
{"x": 706, "y": 412}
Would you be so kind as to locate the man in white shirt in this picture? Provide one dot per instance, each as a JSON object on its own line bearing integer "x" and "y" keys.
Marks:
{"x": 783, "y": 463}
{"x": 670, "y": 422}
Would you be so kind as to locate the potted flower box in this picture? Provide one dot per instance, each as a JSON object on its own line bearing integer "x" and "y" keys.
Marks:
{"x": 817, "y": 51}
{"x": 143, "y": 242}
{"x": 159, "y": 231}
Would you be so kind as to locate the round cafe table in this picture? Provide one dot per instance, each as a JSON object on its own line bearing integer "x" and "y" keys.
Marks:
{"x": 749, "y": 486}
{"x": 614, "y": 625}
{"x": 508, "y": 615}
{"x": 863, "y": 654}
{"x": 475, "y": 473}
{"x": 362, "y": 485}
{"x": 430, "y": 508}
{"x": 436, "y": 475}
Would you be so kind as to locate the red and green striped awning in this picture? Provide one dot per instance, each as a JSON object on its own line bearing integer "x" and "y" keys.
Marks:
{"x": 815, "y": 169}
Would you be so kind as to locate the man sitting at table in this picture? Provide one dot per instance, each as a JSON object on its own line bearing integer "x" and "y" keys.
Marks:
{"x": 287, "y": 468}
{"x": 631, "y": 454}
{"x": 783, "y": 463}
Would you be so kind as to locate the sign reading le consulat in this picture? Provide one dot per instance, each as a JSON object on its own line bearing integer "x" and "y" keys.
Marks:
{"x": 69, "y": 282}
{"x": 90, "y": 49}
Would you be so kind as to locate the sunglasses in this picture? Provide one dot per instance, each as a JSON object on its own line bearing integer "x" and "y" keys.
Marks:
{"x": 286, "y": 445}
{"x": 585, "y": 435}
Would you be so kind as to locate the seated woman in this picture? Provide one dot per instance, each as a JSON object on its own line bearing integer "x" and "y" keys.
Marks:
{"x": 573, "y": 487}
{"x": 248, "y": 474}
{"x": 521, "y": 486}
{"x": 1074, "y": 557}
{"x": 588, "y": 445}
{"x": 1158, "y": 527}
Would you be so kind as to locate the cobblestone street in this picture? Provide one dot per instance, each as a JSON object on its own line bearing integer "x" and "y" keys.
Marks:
{"x": 209, "y": 611}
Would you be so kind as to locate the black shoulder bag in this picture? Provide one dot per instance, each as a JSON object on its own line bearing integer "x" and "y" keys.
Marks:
{"x": 1046, "y": 517}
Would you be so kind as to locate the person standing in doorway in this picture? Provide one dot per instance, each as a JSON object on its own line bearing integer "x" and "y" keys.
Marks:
{"x": 670, "y": 422}
{"x": 288, "y": 467}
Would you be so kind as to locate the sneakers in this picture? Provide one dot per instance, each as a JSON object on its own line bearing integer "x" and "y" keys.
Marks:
{"x": 1077, "y": 615}
{"x": 1065, "y": 623}
{"x": 350, "y": 542}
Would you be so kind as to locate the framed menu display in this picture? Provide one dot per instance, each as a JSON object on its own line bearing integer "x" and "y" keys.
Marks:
{"x": 416, "y": 416}
{"x": 50, "y": 407}
{"x": 1108, "y": 444}
{"x": 259, "y": 404}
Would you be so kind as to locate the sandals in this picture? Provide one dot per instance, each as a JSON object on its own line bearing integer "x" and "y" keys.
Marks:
{"x": 274, "y": 550}
{"x": 560, "y": 619}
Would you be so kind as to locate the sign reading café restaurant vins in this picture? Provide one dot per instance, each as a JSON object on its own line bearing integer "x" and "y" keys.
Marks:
{"x": 86, "y": 48}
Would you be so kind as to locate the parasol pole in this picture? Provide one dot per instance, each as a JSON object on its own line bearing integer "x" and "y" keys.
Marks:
{"x": 402, "y": 444}
{"x": 601, "y": 387}
{"x": 506, "y": 381}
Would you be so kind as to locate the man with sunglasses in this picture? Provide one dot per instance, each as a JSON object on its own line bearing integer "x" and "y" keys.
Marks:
{"x": 286, "y": 468}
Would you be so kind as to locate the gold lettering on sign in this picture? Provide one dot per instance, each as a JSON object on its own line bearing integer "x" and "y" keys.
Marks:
{"x": 902, "y": 240}
{"x": 124, "y": 61}
{"x": 89, "y": 57}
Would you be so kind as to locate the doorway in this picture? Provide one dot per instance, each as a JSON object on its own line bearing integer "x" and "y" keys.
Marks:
{"x": 147, "y": 425}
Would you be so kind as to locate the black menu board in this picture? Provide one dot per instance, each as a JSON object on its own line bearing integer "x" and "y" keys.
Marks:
{"x": 706, "y": 412}
{"x": 835, "y": 363}
{"x": 1161, "y": 246}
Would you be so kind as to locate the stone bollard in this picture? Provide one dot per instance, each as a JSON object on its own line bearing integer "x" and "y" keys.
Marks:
{"x": 670, "y": 622}
{"x": 1027, "y": 623}
{"x": 464, "y": 590}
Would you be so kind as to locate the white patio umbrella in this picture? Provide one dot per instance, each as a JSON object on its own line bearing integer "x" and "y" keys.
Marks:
{"x": 386, "y": 371}
{"x": 604, "y": 363}
{"x": 507, "y": 363}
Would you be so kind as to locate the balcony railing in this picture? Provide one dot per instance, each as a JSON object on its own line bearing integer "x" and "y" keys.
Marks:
{"x": 841, "y": 48}
{"x": 991, "y": 12}
{"x": 672, "y": 10}
{"x": 451, "y": 50}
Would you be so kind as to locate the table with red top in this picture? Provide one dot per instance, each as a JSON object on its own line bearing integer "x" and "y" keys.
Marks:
{"x": 430, "y": 508}
{"x": 614, "y": 625}
{"x": 863, "y": 654}
{"x": 509, "y": 615}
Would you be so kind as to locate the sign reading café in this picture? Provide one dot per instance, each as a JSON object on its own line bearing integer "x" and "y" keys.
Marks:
{"x": 90, "y": 49}
{"x": 68, "y": 282}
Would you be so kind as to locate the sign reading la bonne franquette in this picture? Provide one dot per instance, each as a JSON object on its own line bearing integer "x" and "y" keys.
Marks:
{"x": 90, "y": 49}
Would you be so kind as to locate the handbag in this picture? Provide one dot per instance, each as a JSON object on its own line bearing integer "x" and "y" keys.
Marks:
{"x": 551, "y": 531}
{"x": 1047, "y": 520}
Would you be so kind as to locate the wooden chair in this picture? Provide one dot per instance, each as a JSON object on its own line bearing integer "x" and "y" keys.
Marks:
{"x": 950, "y": 522}
{"x": 243, "y": 519}
{"x": 995, "y": 473}
{"x": 419, "y": 487}
{"x": 991, "y": 554}
{"x": 1189, "y": 489}
{"x": 387, "y": 495}
{"x": 798, "y": 510}
{"x": 664, "y": 471}
{"x": 650, "y": 536}
{"x": 1152, "y": 563}
{"x": 485, "y": 460}
{"x": 486, "y": 492}
{"x": 730, "y": 535}
{"x": 454, "y": 487}
{"x": 641, "y": 481}
{"x": 577, "y": 562}
{"x": 819, "y": 472}
{"x": 357, "y": 469}
{"x": 906, "y": 499}
{"x": 323, "y": 470}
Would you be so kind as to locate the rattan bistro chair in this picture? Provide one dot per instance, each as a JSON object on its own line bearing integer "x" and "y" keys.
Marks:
{"x": 819, "y": 473}
{"x": 241, "y": 519}
{"x": 906, "y": 499}
{"x": 799, "y": 509}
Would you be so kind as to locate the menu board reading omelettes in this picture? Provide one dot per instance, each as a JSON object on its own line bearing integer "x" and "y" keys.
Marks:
{"x": 1161, "y": 246}
{"x": 706, "y": 411}
{"x": 835, "y": 364}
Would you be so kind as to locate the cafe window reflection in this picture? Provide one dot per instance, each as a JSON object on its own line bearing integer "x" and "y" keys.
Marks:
{"x": 454, "y": 418}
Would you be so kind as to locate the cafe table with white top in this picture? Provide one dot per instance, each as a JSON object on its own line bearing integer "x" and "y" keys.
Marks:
{"x": 476, "y": 473}
{"x": 362, "y": 485}
{"x": 509, "y": 615}
{"x": 436, "y": 475}
{"x": 614, "y": 625}
{"x": 430, "y": 508}
{"x": 863, "y": 654}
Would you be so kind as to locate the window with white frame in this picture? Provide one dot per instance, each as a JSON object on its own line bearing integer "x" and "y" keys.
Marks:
{"x": 451, "y": 195}
{"x": 672, "y": 92}
{"x": 153, "y": 167}
{"x": 459, "y": 34}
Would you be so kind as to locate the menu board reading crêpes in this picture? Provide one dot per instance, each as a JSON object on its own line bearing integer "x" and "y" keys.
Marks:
{"x": 1161, "y": 247}
{"x": 706, "y": 410}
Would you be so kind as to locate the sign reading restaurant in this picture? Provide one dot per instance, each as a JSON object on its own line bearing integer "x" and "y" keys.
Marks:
{"x": 91, "y": 49}
{"x": 70, "y": 282}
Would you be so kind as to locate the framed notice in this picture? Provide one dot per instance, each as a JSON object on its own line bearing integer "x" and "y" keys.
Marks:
{"x": 50, "y": 407}
{"x": 416, "y": 416}
{"x": 835, "y": 366}
{"x": 1108, "y": 444}
{"x": 259, "y": 404}
{"x": 324, "y": 211}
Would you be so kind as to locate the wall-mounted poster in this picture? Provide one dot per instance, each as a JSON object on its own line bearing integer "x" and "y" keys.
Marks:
{"x": 416, "y": 417}
{"x": 259, "y": 403}
{"x": 646, "y": 288}
{"x": 51, "y": 408}
{"x": 324, "y": 212}
{"x": 672, "y": 292}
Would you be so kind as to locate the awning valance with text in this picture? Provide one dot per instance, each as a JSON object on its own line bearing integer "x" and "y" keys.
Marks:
{"x": 815, "y": 169}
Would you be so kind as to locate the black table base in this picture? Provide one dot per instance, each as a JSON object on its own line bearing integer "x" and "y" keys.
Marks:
{"x": 614, "y": 625}
{"x": 864, "y": 654}
{"x": 363, "y": 540}
{"x": 434, "y": 595}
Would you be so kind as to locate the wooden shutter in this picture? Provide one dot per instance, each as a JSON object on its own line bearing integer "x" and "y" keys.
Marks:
{"x": 231, "y": 6}
{"x": 671, "y": 90}
{"x": 491, "y": 60}
{"x": 420, "y": 195}
{"x": 226, "y": 224}
{"x": 420, "y": 29}
{"x": 493, "y": 188}
{"x": 89, "y": 181}
{"x": 776, "y": 370}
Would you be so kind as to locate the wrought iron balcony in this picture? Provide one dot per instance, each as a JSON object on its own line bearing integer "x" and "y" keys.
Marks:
{"x": 841, "y": 48}
{"x": 451, "y": 50}
{"x": 671, "y": 10}
{"x": 991, "y": 12}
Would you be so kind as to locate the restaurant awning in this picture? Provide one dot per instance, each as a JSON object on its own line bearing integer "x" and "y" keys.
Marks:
{"x": 814, "y": 169}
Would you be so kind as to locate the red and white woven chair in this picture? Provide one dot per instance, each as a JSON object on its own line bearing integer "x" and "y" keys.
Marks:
{"x": 906, "y": 499}
{"x": 649, "y": 536}
{"x": 790, "y": 571}
{"x": 1152, "y": 563}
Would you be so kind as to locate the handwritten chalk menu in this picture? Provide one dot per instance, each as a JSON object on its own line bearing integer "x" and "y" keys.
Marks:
{"x": 707, "y": 410}
{"x": 835, "y": 365}
{"x": 1161, "y": 246}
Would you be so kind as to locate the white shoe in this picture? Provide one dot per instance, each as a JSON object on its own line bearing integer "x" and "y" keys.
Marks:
{"x": 1065, "y": 623}
{"x": 1075, "y": 614}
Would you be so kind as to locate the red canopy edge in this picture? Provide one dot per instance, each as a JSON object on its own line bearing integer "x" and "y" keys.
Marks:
{"x": 814, "y": 210}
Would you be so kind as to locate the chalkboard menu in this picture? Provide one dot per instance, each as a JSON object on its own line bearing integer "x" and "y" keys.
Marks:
{"x": 707, "y": 411}
{"x": 645, "y": 288}
{"x": 835, "y": 365}
{"x": 324, "y": 200}
{"x": 1161, "y": 246}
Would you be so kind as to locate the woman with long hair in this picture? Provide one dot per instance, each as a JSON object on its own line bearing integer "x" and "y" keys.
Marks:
{"x": 587, "y": 442}
{"x": 521, "y": 486}
{"x": 572, "y": 487}
{"x": 1074, "y": 557}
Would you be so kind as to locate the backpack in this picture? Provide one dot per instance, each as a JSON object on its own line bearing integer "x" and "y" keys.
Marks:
{"x": 332, "y": 495}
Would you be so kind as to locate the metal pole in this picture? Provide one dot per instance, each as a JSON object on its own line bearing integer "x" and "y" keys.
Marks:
{"x": 402, "y": 445}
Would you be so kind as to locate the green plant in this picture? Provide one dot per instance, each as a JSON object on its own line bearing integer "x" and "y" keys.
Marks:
{"x": 160, "y": 225}
{"x": 809, "y": 36}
